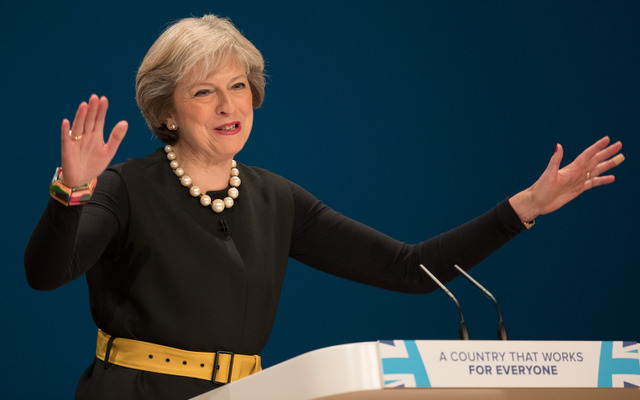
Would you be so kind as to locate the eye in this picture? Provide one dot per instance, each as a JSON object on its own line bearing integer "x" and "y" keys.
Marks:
{"x": 202, "y": 92}
{"x": 239, "y": 85}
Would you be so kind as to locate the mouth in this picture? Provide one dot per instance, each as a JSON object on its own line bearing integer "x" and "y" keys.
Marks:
{"x": 228, "y": 129}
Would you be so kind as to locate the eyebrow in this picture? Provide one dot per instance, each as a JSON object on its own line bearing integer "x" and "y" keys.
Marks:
{"x": 192, "y": 85}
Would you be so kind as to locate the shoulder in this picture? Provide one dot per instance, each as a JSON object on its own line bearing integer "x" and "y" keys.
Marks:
{"x": 266, "y": 177}
{"x": 272, "y": 187}
{"x": 144, "y": 177}
{"x": 153, "y": 160}
{"x": 263, "y": 179}
{"x": 142, "y": 174}
{"x": 258, "y": 173}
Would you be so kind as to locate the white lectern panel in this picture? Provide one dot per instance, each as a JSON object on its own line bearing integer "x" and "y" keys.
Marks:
{"x": 360, "y": 371}
{"x": 320, "y": 373}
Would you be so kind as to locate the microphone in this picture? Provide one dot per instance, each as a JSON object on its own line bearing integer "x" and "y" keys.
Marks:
{"x": 224, "y": 229}
{"x": 502, "y": 330}
{"x": 463, "y": 332}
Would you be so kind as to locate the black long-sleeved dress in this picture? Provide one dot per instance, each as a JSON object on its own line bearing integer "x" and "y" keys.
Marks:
{"x": 163, "y": 269}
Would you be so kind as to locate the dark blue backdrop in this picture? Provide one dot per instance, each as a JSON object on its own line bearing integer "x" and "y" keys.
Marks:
{"x": 410, "y": 116}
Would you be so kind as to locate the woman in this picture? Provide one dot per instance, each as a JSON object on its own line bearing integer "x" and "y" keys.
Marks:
{"x": 185, "y": 250}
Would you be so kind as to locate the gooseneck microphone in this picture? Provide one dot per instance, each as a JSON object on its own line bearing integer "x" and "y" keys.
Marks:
{"x": 502, "y": 330}
{"x": 463, "y": 332}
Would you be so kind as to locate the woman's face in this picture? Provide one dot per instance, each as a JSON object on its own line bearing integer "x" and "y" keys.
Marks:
{"x": 214, "y": 116}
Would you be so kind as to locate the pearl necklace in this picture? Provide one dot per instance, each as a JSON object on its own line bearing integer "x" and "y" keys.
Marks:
{"x": 217, "y": 205}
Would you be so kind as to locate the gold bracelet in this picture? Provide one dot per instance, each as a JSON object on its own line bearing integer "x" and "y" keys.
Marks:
{"x": 529, "y": 224}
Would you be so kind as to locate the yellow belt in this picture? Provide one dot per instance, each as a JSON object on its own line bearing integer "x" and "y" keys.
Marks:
{"x": 152, "y": 357}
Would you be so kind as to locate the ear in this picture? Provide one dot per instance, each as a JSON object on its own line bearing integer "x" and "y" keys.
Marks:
{"x": 170, "y": 122}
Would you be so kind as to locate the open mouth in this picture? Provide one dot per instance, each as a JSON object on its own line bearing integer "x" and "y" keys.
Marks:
{"x": 229, "y": 129}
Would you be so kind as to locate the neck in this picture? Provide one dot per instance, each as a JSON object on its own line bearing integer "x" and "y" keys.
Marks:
{"x": 207, "y": 172}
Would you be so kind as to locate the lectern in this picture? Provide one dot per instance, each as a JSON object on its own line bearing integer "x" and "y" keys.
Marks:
{"x": 446, "y": 369}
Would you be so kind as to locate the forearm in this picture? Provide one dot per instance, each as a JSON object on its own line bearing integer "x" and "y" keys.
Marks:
{"x": 340, "y": 246}
{"x": 48, "y": 258}
{"x": 470, "y": 243}
{"x": 69, "y": 240}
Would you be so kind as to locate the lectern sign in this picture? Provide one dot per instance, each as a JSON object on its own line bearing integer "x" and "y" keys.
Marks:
{"x": 448, "y": 363}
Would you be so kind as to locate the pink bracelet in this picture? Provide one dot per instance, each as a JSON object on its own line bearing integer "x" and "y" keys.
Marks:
{"x": 71, "y": 196}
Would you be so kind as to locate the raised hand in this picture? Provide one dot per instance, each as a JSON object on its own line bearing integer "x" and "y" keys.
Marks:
{"x": 85, "y": 154}
{"x": 556, "y": 187}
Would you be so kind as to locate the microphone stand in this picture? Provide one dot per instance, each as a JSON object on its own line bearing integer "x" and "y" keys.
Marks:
{"x": 502, "y": 330}
{"x": 463, "y": 332}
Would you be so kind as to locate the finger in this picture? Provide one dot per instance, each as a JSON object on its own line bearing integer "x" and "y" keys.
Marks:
{"x": 78, "y": 120}
{"x": 599, "y": 181}
{"x": 90, "y": 121}
{"x": 592, "y": 150}
{"x": 103, "y": 105}
{"x": 64, "y": 129}
{"x": 608, "y": 164}
{"x": 64, "y": 136}
{"x": 609, "y": 151}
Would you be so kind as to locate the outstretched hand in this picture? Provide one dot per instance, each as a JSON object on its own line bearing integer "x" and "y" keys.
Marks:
{"x": 556, "y": 187}
{"x": 85, "y": 154}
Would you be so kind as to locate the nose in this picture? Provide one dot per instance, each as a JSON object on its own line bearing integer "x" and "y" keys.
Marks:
{"x": 225, "y": 103}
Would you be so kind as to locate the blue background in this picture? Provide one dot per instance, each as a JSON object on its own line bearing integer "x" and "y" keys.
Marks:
{"x": 410, "y": 116}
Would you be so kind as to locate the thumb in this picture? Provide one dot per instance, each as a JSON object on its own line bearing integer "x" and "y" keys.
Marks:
{"x": 116, "y": 136}
{"x": 554, "y": 162}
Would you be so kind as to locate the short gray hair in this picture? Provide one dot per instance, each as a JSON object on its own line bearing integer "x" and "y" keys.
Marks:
{"x": 209, "y": 42}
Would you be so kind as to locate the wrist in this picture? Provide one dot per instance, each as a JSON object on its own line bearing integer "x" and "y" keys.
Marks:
{"x": 71, "y": 195}
{"x": 524, "y": 206}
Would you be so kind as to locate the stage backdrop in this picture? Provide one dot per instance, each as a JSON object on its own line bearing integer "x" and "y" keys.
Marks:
{"x": 409, "y": 116}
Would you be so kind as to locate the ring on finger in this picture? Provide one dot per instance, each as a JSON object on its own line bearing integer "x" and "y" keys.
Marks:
{"x": 74, "y": 137}
{"x": 588, "y": 175}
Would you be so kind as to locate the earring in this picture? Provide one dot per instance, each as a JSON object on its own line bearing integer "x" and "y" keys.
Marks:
{"x": 173, "y": 127}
